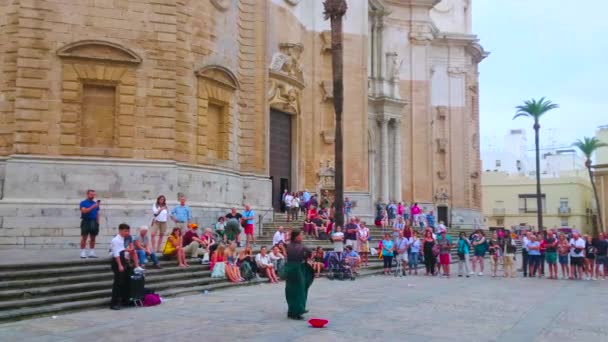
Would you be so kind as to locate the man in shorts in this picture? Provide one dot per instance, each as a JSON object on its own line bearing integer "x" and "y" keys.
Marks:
{"x": 401, "y": 245}
{"x": 551, "y": 254}
{"x": 89, "y": 224}
{"x": 249, "y": 217}
{"x": 577, "y": 256}
{"x": 601, "y": 244}
{"x": 444, "y": 241}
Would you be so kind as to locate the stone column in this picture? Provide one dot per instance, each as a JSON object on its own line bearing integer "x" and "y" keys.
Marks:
{"x": 384, "y": 158}
{"x": 398, "y": 168}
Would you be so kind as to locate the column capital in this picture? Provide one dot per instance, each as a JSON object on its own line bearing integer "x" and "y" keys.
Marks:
{"x": 383, "y": 120}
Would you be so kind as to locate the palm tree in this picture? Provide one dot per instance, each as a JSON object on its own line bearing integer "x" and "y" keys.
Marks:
{"x": 335, "y": 10}
{"x": 588, "y": 146}
{"x": 535, "y": 109}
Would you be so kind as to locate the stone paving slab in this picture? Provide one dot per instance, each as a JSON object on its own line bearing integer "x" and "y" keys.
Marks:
{"x": 372, "y": 308}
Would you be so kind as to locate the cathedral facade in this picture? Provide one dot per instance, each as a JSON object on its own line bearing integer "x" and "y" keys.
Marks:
{"x": 229, "y": 102}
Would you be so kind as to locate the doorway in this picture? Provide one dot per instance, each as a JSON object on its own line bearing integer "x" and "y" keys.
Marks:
{"x": 442, "y": 215}
{"x": 280, "y": 157}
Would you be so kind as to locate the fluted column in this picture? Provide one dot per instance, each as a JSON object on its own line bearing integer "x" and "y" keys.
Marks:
{"x": 384, "y": 158}
{"x": 398, "y": 167}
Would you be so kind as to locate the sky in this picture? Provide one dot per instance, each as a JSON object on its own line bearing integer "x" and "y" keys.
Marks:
{"x": 552, "y": 48}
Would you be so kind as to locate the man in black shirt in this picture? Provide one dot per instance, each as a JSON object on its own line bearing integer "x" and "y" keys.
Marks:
{"x": 601, "y": 258}
{"x": 233, "y": 226}
{"x": 350, "y": 232}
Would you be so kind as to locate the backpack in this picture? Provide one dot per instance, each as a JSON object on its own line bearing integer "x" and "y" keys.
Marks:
{"x": 151, "y": 299}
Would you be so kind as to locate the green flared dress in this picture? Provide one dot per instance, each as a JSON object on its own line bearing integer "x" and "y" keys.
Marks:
{"x": 299, "y": 276}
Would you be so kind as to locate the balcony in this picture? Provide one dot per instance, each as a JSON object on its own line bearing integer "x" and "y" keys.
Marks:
{"x": 498, "y": 211}
{"x": 564, "y": 211}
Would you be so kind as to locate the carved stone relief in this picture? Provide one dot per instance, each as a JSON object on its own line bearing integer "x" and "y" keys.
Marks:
{"x": 442, "y": 112}
{"x": 327, "y": 174}
{"x": 325, "y": 41}
{"x": 442, "y": 196}
{"x": 292, "y": 65}
{"x": 328, "y": 136}
{"x": 284, "y": 97}
{"x": 221, "y": 5}
{"x": 442, "y": 144}
{"x": 286, "y": 78}
{"x": 421, "y": 34}
{"x": 456, "y": 71}
{"x": 327, "y": 90}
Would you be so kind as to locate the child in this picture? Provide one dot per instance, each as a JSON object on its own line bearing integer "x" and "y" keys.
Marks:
{"x": 352, "y": 258}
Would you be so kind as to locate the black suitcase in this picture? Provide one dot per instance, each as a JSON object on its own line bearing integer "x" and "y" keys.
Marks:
{"x": 137, "y": 283}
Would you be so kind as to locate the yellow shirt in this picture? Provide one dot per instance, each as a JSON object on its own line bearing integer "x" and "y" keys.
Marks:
{"x": 170, "y": 245}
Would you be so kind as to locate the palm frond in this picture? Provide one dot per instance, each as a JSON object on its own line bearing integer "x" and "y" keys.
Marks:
{"x": 588, "y": 145}
{"x": 535, "y": 108}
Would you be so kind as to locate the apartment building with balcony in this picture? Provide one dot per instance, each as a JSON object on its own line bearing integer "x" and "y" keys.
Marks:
{"x": 510, "y": 200}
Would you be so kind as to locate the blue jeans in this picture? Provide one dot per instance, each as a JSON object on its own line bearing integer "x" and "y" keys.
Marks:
{"x": 141, "y": 255}
{"x": 413, "y": 260}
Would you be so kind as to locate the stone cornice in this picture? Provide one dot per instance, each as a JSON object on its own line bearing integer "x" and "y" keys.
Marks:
{"x": 469, "y": 41}
{"x": 417, "y": 3}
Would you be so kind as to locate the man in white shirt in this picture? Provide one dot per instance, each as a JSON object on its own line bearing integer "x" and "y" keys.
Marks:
{"x": 265, "y": 265}
{"x": 279, "y": 236}
{"x": 287, "y": 201}
{"x": 120, "y": 267}
{"x": 577, "y": 255}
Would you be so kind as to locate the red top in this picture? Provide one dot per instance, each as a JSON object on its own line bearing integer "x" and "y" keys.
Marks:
{"x": 312, "y": 213}
{"x": 543, "y": 246}
{"x": 187, "y": 238}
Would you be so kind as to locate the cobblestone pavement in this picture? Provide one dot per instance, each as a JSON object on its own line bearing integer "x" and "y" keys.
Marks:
{"x": 373, "y": 308}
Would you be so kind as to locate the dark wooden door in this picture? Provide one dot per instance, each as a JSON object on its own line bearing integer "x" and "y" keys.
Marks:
{"x": 280, "y": 155}
{"x": 442, "y": 215}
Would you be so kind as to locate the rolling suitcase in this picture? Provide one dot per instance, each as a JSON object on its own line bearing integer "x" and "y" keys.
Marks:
{"x": 137, "y": 293}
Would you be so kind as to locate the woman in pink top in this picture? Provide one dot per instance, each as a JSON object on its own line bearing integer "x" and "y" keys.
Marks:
{"x": 415, "y": 214}
{"x": 400, "y": 209}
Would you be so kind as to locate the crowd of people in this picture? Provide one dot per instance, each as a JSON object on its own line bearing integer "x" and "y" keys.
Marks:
{"x": 410, "y": 238}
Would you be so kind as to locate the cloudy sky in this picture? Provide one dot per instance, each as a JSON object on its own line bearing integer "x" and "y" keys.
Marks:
{"x": 557, "y": 49}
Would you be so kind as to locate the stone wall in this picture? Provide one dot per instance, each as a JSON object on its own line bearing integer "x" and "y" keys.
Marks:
{"x": 40, "y": 202}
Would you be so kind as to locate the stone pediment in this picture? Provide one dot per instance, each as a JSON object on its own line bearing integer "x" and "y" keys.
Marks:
{"x": 99, "y": 50}
{"x": 219, "y": 74}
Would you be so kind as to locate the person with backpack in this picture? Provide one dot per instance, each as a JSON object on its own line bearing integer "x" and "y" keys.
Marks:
{"x": 391, "y": 211}
{"x": 464, "y": 248}
{"x": 480, "y": 246}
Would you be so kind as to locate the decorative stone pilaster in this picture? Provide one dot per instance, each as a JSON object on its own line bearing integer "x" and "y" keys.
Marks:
{"x": 383, "y": 121}
{"x": 398, "y": 167}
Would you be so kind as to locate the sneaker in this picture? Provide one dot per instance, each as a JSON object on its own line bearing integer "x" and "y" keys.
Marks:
{"x": 593, "y": 278}
{"x": 157, "y": 266}
{"x": 460, "y": 275}
{"x": 92, "y": 255}
{"x": 471, "y": 273}
{"x": 139, "y": 269}
{"x": 468, "y": 276}
{"x": 480, "y": 274}
{"x": 83, "y": 255}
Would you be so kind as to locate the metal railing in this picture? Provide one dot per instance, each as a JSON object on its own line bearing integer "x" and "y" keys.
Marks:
{"x": 498, "y": 211}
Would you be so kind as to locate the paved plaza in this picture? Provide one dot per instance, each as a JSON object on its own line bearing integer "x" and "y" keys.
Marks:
{"x": 372, "y": 308}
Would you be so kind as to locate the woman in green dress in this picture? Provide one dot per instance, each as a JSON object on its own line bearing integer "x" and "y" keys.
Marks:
{"x": 299, "y": 276}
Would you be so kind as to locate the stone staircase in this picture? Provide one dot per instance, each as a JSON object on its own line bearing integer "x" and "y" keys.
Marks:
{"x": 32, "y": 290}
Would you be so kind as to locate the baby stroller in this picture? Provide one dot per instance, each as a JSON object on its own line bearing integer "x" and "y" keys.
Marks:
{"x": 338, "y": 267}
